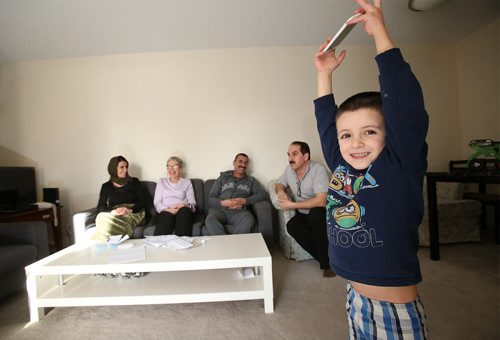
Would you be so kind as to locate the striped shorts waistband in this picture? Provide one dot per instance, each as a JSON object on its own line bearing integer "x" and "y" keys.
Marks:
{"x": 372, "y": 319}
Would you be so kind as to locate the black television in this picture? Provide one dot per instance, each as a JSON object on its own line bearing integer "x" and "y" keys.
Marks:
{"x": 17, "y": 188}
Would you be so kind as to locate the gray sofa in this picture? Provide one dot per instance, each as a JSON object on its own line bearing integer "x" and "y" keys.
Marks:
{"x": 84, "y": 222}
{"x": 21, "y": 243}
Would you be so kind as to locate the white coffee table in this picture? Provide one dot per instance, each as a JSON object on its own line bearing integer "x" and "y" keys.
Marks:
{"x": 209, "y": 272}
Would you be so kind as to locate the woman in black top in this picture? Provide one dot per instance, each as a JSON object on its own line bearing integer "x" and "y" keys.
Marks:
{"x": 121, "y": 202}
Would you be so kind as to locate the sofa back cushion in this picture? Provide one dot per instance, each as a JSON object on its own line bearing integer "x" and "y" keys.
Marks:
{"x": 208, "y": 185}
{"x": 198, "y": 195}
{"x": 149, "y": 190}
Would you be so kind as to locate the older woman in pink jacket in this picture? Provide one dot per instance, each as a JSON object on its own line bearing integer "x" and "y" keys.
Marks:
{"x": 174, "y": 201}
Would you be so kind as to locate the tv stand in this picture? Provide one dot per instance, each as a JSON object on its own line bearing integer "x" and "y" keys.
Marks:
{"x": 46, "y": 215}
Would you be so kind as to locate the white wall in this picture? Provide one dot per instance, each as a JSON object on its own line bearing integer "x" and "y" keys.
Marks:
{"x": 478, "y": 59}
{"x": 67, "y": 117}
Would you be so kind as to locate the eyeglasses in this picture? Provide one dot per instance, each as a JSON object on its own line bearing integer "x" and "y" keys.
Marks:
{"x": 299, "y": 193}
{"x": 173, "y": 166}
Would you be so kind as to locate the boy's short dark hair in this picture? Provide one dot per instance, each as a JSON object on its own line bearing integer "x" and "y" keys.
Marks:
{"x": 304, "y": 147}
{"x": 362, "y": 100}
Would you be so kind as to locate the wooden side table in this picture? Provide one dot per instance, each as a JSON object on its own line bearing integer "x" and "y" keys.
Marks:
{"x": 45, "y": 214}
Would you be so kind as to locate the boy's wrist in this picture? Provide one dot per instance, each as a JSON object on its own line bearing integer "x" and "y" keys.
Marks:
{"x": 383, "y": 41}
{"x": 325, "y": 74}
{"x": 384, "y": 46}
{"x": 324, "y": 85}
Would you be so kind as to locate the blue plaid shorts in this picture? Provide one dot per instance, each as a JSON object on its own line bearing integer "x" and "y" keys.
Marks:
{"x": 372, "y": 319}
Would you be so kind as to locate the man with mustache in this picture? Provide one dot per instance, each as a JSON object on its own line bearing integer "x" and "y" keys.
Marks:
{"x": 308, "y": 183}
{"x": 230, "y": 199}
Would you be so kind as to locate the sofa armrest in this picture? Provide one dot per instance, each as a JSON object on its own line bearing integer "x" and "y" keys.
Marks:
{"x": 263, "y": 214}
{"x": 29, "y": 232}
{"x": 272, "y": 193}
{"x": 82, "y": 221}
{"x": 286, "y": 214}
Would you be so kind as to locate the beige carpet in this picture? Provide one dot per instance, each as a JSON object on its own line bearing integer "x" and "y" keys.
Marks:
{"x": 461, "y": 295}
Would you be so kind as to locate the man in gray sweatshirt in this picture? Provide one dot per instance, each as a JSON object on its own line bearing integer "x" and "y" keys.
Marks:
{"x": 230, "y": 199}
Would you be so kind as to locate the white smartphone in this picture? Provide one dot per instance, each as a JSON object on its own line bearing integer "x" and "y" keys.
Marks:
{"x": 341, "y": 34}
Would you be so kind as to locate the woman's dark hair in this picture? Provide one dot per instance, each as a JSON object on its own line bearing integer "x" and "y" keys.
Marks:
{"x": 362, "y": 100}
{"x": 304, "y": 147}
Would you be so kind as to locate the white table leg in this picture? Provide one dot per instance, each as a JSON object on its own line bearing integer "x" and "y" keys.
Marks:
{"x": 36, "y": 313}
{"x": 268, "y": 289}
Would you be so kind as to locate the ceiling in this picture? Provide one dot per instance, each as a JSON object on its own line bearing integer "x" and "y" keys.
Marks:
{"x": 44, "y": 29}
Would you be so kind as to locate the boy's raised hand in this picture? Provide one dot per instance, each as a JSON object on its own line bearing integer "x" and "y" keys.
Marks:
{"x": 325, "y": 64}
{"x": 373, "y": 23}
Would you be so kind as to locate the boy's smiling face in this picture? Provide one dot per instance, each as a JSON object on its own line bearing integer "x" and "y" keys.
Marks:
{"x": 361, "y": 136}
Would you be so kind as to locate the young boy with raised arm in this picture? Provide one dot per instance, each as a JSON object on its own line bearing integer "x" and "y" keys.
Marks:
{"x": 375, "y": 145}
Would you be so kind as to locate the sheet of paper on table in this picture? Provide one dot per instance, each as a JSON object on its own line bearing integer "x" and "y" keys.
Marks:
{"x": 127, "y": 255}
{"x": 169, "y": 241}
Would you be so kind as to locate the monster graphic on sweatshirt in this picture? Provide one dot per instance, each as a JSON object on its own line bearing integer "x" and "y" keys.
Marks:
{"x": 346, "y": 226}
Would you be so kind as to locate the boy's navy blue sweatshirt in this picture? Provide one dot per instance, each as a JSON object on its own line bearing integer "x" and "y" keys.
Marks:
{"x": 373, "y": 222}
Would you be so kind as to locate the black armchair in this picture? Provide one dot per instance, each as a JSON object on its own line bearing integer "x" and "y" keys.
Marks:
{"x": 21, "y": 243}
